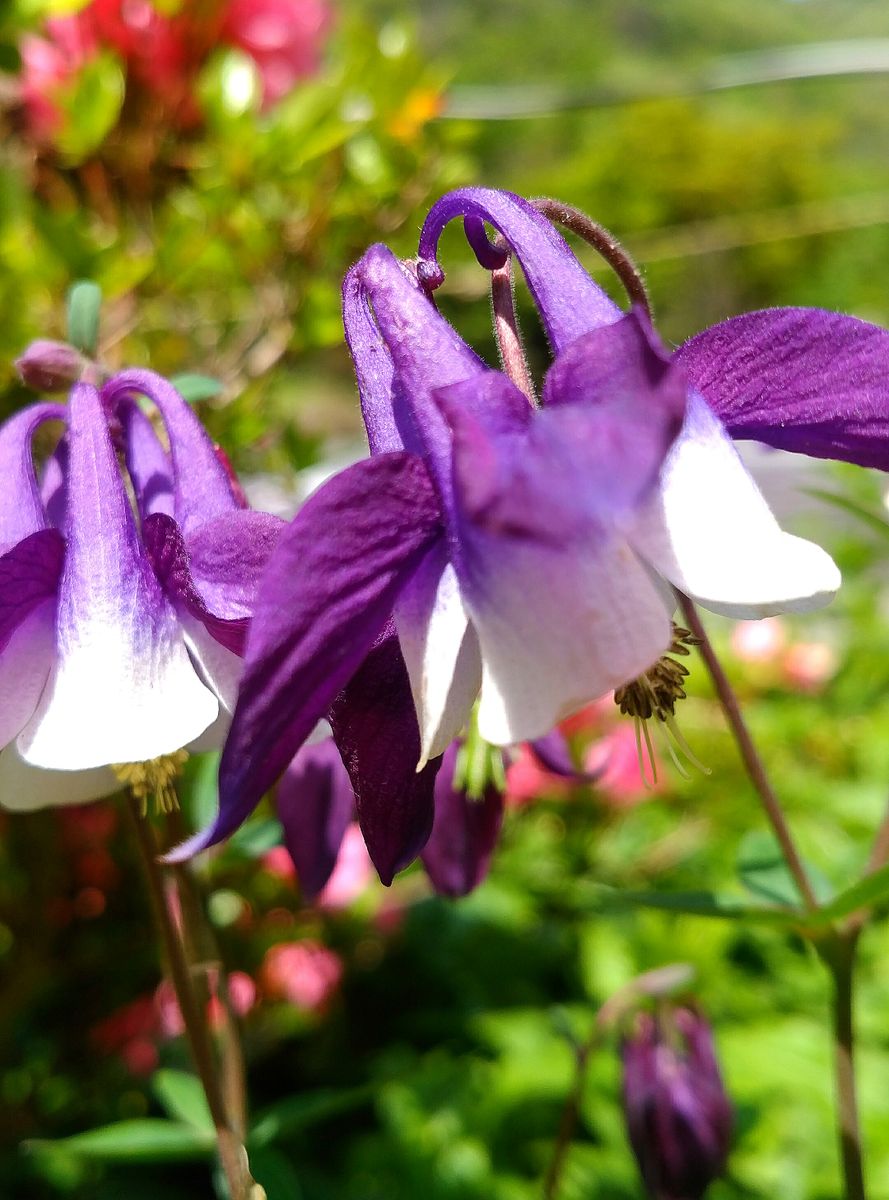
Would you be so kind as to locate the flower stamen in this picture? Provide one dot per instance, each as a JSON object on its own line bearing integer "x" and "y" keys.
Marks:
{"x": 156, "y": 778}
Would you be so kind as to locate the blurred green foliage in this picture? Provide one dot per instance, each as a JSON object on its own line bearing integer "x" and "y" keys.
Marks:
{"x": 442, "y": 1067}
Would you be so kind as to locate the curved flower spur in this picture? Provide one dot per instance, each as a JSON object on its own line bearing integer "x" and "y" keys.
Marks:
{"x": 120, "y": 631}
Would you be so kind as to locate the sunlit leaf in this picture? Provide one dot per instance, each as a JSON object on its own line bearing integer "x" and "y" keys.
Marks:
{"x": 182, "y": 1097}
{"x": 148, "y": 1139}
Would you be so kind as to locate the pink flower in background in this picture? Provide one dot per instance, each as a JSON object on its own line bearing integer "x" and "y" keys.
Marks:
{"x": 305, "y": 973}
{"x": 278, "y": 862}
{"x": 241, "y": 996}
{"x": 351, "y": 875}
{"x": 759, "y": 641}
{"x": 283, "y": 37}
{"x": 129, "y": 1032}
{"x": 616, "y": 756}
{"x": 50, "y": 64}
{"x": 808, "y": 666}
{"x": 527, "y": 779}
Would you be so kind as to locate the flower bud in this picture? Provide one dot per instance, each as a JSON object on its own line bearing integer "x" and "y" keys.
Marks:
{"x": 49, "y": 366}
{"x": 677, "y": 1113}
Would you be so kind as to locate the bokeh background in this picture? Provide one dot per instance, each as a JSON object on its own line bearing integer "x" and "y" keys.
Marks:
{"x": 217, "y": 190}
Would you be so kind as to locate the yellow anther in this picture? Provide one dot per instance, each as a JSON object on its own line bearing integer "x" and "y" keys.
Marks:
{"x": 156, "y": 778}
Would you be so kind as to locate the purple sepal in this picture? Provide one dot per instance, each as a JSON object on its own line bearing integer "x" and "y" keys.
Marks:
{"x": 315, "y": 804}
{"x": 374, "y": 724}
{"x": 29, "y": 574}
{"x": 458, "y": 853}
{"x": 22, "y": 510}
{"x": 148, "y": 463}
{"x": 374, "y": 369}
{"x": 570, "y": 303}
{"x": 326, "y": 594}
{"x": 678, "y": 1116}
{"x": 554, "y": 755}
{"x": 799, "y": 379}
{"x": 169, "y": 557}
{"x": 202, "y": 488}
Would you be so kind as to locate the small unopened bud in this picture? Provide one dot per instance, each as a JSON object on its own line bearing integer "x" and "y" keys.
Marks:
{"x": 678, "y": 1115}
{"x": 49, "y": 366}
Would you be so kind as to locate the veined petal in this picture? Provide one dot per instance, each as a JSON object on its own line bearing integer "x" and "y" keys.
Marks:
{"x": 22, "y": 511}
{"x": 558, "y": 626}
{"x": 464, "y": 833}
{"x": 570, "y": 303}
{"x": 709, "y": 531}
{"x": 375, "y": 727}
{"x": 202, "y": 486}
{"x": 24, "y": 788}
{"x": 148, "y": 463}
{"x": 123, "y": 688}
{"x": 800, "y": 379}
{"x": 374, "y": 369}
{"x": 440, "y": 651}
{"x": 316, "y": 804}
{"x": 325, "y": 595}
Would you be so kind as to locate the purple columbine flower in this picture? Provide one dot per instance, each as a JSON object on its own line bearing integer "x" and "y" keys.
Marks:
{"x": 678, "y": 1116}
{"x": 120, "y": 630}
{"x": 524, "y": 555}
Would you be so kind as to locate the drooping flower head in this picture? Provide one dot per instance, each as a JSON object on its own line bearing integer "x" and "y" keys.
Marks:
{"x": 678, "y": 1116}
{"x": 120, "y": 630}
{"x": 526, "y": 554}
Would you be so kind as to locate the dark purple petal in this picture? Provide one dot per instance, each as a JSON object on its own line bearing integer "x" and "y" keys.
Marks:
{"x": 169, "y": 557}
{"x": 554, "y": 755}
{"x": 799, "y": 379}
{"x": 315, "y": 802}
{"x": 374, "y": 369}
{"x": 325, "y": 595}
{"x": 21, "y": 512}
{"x": 29, "y": 575}
{"x": 202, "y": 486}
{"x": 375, "y": 726}
{"x": 570, "y": 303}
{"x": 148, "y": 463}
{"x": 464, "y": 833}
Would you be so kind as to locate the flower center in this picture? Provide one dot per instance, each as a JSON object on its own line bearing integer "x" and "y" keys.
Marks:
{"x": 156, "y": 778}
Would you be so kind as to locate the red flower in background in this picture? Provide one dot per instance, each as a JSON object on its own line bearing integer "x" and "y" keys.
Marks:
{"x": 283, "y": 37}
{"x": 49, "y": 64}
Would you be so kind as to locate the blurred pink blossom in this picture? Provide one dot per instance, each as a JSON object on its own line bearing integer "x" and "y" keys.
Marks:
{"x": 305, "y": 973}
{"x": 283, "y": 37}
{"x": 617, "y": 756}
{"x": 50, "y": 64}
{"x": 527, "y": 778}
{"x": 759, "y": 641}
{"x": 808, "y": 666}
{"x": 278, "y": 862}
{"x": 129, "y": 1032}
{"x": 351, "y": 875}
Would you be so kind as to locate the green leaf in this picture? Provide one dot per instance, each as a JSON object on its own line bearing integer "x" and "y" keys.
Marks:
{"x": 84, "y": 305}
{"x": 257, "y": 837}
{"x": 92, "y": 104}
{"x": 763, "y": 871}
{"x": 298, "y": 1112}
{"x": 870, "y": 516}
{"x": 873, "y": 889}
{"x": 148, "y": 1139}
{"x": 182, "y": 1097}
{"x": 195, "y": 388}
{"x": 702, "y": 904}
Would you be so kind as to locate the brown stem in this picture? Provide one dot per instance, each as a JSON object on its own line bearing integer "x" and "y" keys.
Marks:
{"x": 749, "y": 754}
{"x": 231, "y": 1151}
{"x": 879, "y": 854}
{"x": 841, "y": 962}
{"x": 506, "y": 330}
{"x": 570, "y": 1112}
{"x": 601, "y": 240}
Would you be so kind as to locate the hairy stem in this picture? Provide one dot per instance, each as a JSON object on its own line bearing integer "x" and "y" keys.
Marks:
{"x": 841, "y": 964}
{"x": 506, "y": 330}
{"x": 231, "y": 1151}
{"x": 749, "y": 754}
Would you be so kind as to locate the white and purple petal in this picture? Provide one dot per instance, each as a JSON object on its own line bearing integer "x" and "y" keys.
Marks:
{"x": 708, "y": 530}
{"x": 122, "y": 688}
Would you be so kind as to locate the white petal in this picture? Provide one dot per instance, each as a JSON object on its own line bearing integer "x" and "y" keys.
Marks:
{"x": 24, "y": 788}
{"x": 220, "y": 668}
{"x": 710, "y": 532}
{"x": 115, "y": 698}
{"x": 441, "y": 652}
{"x": 558, "y": 628}
{"x": 24, "y": 667}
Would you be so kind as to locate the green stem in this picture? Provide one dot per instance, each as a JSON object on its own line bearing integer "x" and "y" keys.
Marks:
{"x": 232, "y": 1155}
{"x": 840, "y": 961}
{"x": 749, "y": 754}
